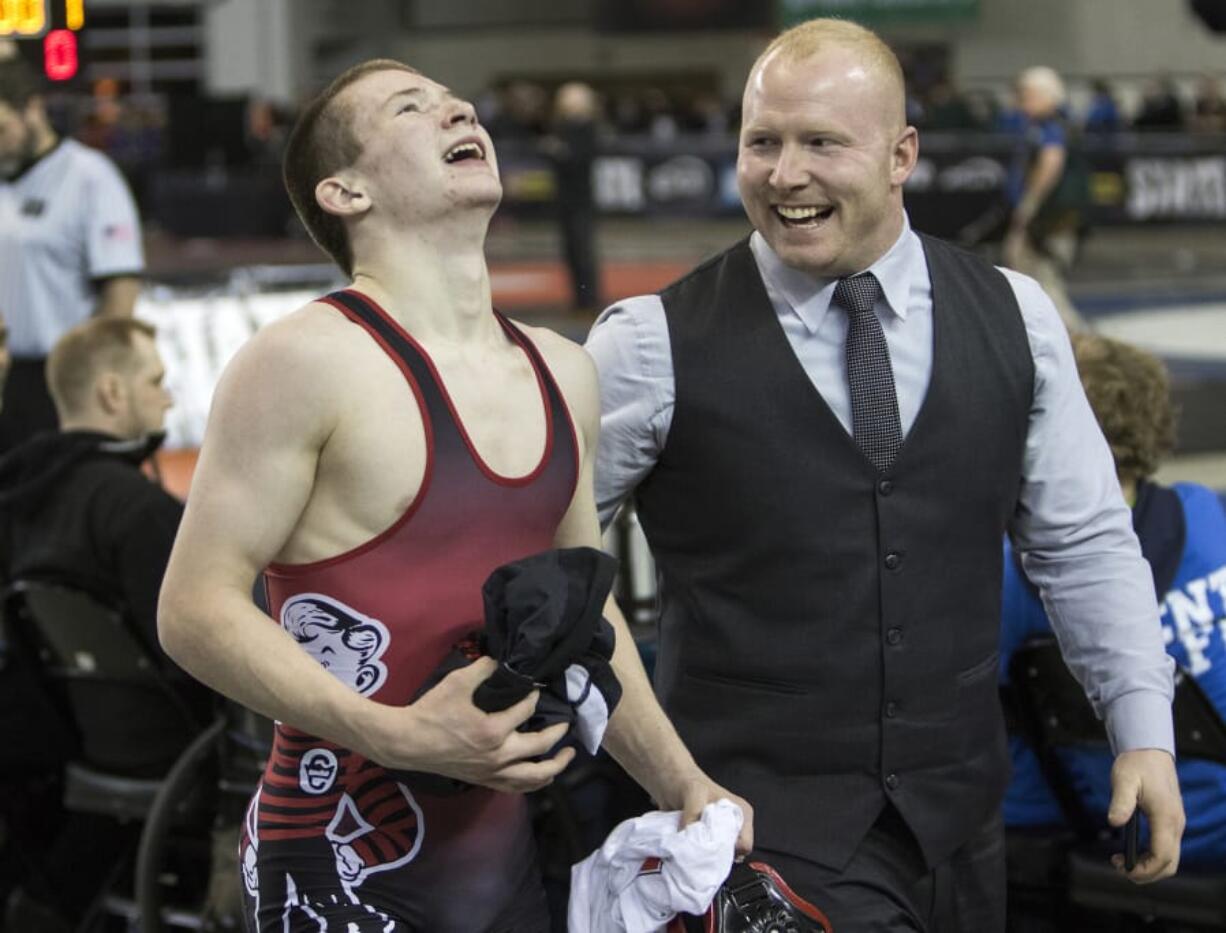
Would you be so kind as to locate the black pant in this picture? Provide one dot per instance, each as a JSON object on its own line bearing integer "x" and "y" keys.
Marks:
{"x": 28, "y": 408}
{"x": 579, "y": 244}
{"x": 887, "y": 887}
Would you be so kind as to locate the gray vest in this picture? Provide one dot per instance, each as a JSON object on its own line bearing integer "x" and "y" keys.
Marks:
{"x": 828, "y": 634}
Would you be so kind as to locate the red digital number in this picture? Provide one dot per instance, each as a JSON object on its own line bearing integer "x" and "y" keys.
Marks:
{"x": 60, "y": 54}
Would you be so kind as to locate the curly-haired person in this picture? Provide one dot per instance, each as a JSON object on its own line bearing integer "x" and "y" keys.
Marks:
{"x": 1182, "y": 529}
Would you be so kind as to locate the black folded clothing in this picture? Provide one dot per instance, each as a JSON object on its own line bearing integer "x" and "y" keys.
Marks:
{"x": 542, "y": 617}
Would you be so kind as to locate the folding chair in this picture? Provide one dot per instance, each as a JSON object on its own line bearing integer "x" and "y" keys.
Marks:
{"x": 93, "y": 662}
{"x": 1057, "y": 716}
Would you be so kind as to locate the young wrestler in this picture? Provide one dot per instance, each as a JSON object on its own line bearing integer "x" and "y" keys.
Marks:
{"x": 377, "y": 453}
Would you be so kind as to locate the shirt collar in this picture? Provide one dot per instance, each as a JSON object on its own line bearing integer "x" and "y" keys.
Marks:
{"x": 809, "y": 297}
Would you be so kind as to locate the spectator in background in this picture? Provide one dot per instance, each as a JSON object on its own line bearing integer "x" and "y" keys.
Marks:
{"x": 1045, "y": 190}
{"x": 70, "y": 245}
{"x": 947, "y": 109}
{"x": 522, "y": 112}
{"x": 1103, "y": 114}
{"x": 1183, "y": 537}
{"x": 266, "y": 133}
{"x": 708, "y": 116}
{"x": 76, "y": 509}
{"x": 661, "y": 120}
{"x": 984, "y": 108}
{"x": 1209, "y": 112}
{"x": 628, "y": 116}
{"x": 1161, "y": 108}
{"x": 572, "y": 148}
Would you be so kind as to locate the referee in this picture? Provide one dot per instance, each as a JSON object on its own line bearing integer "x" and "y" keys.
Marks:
{"x": 70, "y": 245}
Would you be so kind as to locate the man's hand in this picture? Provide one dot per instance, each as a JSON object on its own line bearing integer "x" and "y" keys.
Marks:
{"x": 1013, "y": 248}
{"x": 700, "y": 790}
{"x": 1146, "y": 777}
{"x": 444, "y": 733}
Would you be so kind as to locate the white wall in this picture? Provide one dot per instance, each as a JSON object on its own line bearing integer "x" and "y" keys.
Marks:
{"x": 251, "y": 47}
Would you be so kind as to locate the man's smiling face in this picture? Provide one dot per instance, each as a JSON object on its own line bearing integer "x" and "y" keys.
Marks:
{"x": 822, "y": 159}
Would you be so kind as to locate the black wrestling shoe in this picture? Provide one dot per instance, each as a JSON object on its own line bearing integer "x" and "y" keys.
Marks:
{"x": 755, "y": 899}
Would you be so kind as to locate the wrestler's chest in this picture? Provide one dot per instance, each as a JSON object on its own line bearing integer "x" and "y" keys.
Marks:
{"x": 392, "y": 430}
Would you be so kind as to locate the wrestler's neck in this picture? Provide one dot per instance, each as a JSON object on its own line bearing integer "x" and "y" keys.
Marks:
{"x": 434, "y": 280}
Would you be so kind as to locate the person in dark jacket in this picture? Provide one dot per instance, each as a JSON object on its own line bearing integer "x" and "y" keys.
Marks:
{"x": 77, "y": 509}
{"x": 75, "y": 506}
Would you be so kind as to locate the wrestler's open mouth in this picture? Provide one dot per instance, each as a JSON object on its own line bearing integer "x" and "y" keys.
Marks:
{"x": 464, "y": 152}
{"x": 808, "y": 215}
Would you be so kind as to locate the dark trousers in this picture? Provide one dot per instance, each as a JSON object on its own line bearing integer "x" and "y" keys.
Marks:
{"x": 579, "y": 244}
{"x": 887, "y": 888}
{"x": 28, "y": 408}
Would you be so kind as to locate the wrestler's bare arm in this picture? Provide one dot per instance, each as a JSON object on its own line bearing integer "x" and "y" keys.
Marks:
{"x": 640, "y": 735}
{"x": 274, "y": 411}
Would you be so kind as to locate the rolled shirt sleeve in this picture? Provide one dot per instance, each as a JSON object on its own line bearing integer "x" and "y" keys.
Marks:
{"x": 1074, "y": 533}
{"x": 633, "y": 355}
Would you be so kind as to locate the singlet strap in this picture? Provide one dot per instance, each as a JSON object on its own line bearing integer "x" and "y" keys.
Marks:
{"x": 558, "y": 412}
{"x": 394, "y": 342}
{"x": 447, "y": 431}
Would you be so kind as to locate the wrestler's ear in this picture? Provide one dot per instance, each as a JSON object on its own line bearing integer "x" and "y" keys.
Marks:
{"x": 343, "y": 195}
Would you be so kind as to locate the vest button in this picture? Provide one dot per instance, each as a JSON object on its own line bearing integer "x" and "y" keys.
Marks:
{"x": 893, "y": 560}
{"x": 891, "y": 781}
{"x": 885, "y": 487}
{"x": 893, "y": 636}
{"x": 891, "y": 709}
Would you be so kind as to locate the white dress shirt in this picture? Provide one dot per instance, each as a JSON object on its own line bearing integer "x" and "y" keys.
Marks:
{"x": 1071, "y": 524}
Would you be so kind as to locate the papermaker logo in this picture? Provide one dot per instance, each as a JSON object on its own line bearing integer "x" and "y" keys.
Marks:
{"x": 347, "y": 643}
{"x": 317, "y": 772}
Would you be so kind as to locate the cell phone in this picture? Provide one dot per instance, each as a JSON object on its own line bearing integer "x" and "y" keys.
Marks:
{"x": 1132, "y": 830}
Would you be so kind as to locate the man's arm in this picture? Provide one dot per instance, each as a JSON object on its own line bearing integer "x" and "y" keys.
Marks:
{"x": 630, "y": 345}
{"x": 117, "y": 296}
{"x": 1074, "y": 533}
{"x": 1044, "y": 175}
{"x": 640, "y": 736}
{"x": 273, "y": 412}
{"x": 114, "y": 253}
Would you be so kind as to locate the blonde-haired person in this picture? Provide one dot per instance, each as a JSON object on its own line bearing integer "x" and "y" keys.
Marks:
{"x": 77, "y": 510}
{"x": 1182, "y": 530}
{"x": 1045, "y": 204}
{"x": 828, "y": 429}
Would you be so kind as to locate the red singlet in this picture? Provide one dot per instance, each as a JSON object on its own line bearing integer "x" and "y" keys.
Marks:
{"x": 332, "y": 837}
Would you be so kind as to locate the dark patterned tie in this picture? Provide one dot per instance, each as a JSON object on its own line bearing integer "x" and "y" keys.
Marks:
{"x": 874, "y": 403}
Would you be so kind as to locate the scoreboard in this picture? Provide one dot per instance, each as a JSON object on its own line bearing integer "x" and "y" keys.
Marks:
{"x": 33, "y": 19}
{"x": 55, "y": 23}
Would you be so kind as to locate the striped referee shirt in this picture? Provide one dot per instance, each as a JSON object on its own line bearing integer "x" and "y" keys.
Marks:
{"x": 65, "y": 222}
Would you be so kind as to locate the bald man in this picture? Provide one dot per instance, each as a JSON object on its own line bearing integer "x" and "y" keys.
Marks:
{"x": 828, "y": 428}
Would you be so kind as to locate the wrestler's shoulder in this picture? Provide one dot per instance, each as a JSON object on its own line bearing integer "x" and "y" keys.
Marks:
{"x": 570, "y": 364}
{"x": 308, "y": 355}
{"x": 315, "y": 333}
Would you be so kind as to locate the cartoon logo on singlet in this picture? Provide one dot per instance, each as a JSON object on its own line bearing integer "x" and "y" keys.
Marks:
{"x": 346, "y": 642}
{"x": 317, "y": 771}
